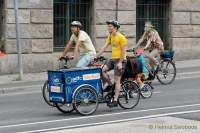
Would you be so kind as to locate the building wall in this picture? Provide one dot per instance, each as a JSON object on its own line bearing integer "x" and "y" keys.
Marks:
{"x": 36, "y": 19}
{"x": 122, "y": 10}
{"x": 36, "y": 28}
{"x": 2, "y": 23}
{"x": 185, "y": 28}
{"x": 36, "y": 22}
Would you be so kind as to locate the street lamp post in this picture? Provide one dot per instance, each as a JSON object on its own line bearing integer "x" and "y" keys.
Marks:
{"x": 19, "y": 51}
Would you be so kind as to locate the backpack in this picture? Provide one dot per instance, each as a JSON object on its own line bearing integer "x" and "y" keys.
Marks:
{"x": 132, "y": 68}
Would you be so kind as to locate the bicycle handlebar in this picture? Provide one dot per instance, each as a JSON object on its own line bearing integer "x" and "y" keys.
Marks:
{"x": 66, "y": 58}
{"x": 100, "y": 58}
{"x": 130, "y": 50}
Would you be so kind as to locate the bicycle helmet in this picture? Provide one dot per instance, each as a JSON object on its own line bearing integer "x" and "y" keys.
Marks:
{"x": 114, "y": 23}
{"x": 76, "y": 23}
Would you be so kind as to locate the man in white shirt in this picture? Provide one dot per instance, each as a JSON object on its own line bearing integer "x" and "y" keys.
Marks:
{"x": 84, "y": 51}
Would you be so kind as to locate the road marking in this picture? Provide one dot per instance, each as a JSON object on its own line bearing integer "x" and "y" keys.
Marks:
{"x": 191, "y": 77}
{"x": 156, "y": 92}
{"x": 103, "y": 115}
{"x": 20, "y": 93}
{"x": 181, "y": 78}
{"x": 20, "y": 87}
{"x": 112, "y": 122}
{"x": 186, "y": 73}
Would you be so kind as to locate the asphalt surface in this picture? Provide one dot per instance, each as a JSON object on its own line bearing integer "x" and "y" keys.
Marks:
{"x": 24, "y": 109}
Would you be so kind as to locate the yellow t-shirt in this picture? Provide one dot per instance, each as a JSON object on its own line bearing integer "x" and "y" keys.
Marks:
{"x": 117, "y": 41}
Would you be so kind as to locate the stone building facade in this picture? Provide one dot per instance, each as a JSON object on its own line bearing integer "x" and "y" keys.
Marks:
{"x": 185, "y": 28}
{"x": 36, "y": 19}
{"x": 36, "y": 29}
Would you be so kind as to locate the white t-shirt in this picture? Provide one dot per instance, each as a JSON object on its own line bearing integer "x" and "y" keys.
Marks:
{"x": 87, "y": 45}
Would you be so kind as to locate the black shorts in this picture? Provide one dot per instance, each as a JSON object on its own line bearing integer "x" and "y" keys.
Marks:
{"x": 112, "y": 64}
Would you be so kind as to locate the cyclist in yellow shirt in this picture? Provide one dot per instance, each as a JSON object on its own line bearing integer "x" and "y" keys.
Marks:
{"x": 118, "y": 43}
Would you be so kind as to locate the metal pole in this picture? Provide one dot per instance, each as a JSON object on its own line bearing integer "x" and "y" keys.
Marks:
{"x": 18, "y": 41}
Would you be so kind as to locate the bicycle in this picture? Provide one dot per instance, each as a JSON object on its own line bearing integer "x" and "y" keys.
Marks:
{"x": 82, "y": 90}
{"x": 167, "y": 65}
{"x": 131, "y": 73}
{"x": 162, "y": 71}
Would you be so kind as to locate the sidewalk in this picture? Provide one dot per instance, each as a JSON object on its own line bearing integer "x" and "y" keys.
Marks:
{"x": 13, "y": 78}
{"x": 27, "y": 77}
{"x": 153, "y": 125}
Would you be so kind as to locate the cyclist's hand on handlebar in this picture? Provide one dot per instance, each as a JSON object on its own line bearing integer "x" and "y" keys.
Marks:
{"x": 95, "y": 58}
{"x": 129, "y": 50}
{"x": 100, "y": 58}
{"x": 71, "y": 57}
{"x": 145, "y": 49}
{"x": 61, "y": 57}
{"x": 135, "y": 48}
{"x": 66, "y": 58}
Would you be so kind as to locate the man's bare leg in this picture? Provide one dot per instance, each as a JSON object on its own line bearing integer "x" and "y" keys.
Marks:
{"x": 117, "y": 87}
{"x": 106, "y": 78}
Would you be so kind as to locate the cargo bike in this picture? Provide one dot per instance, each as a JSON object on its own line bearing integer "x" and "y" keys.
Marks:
{"x": 81, "y": 89}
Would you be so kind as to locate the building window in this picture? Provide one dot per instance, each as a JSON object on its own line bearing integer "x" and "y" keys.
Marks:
{"x": 66, "y": 11}
{"x": 156, "y": 11}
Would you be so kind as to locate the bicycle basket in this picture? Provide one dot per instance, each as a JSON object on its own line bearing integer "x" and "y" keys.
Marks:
{"x": 167, "y": 54}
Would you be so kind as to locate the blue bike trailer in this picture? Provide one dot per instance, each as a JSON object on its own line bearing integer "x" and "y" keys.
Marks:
{"x": 63, "y": 83}
{"x": 77, "y": 77}
{"x": 56, "y": 86}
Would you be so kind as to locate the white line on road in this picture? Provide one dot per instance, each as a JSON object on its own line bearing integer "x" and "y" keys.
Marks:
{"x": 21, "y": 87}
{"x": 186, "y": 73}
{"x": 156, "y": 92}
{"x": 191, "y": 77}
{"x": 103, "y": 115}
{"x": 21, "y": 93}
{"x": 116, "y": 121}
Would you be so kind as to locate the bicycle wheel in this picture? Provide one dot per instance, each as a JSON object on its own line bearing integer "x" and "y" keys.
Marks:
{"x": 167, "y": 74}
{"x": 64, "y": 108}
{"x": 45, "y": 94}
{"x": 130, "y": 95}
{"x": 85, "y": 100}
{"x": 146, "y": 91}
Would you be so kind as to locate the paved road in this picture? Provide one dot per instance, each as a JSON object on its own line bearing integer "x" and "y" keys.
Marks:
{"x": 24, "y": 110}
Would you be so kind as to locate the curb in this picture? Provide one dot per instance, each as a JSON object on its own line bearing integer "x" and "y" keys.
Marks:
{"x": 6, "y": 89}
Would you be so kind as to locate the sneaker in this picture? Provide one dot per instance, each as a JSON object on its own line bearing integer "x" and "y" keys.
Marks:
{"x": 113, "y": 104}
